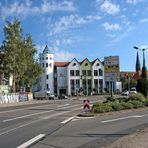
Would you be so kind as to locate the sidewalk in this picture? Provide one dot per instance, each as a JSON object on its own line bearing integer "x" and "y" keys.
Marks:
{"x": 138, "y": 139}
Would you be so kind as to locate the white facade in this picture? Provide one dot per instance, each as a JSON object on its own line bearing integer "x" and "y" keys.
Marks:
{"x": 47, "y": 64}
{"x": 73, "y": 77}
{"x": 98, "y": 76}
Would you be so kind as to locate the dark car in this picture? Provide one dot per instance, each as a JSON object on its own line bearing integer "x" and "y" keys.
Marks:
{"x": 63, "y": 96}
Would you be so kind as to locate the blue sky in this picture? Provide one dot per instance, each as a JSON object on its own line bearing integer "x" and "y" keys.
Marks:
{"x": 83, "y": 28}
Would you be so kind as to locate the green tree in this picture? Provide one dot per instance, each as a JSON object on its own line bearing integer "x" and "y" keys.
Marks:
{"x": 19, "y": 53}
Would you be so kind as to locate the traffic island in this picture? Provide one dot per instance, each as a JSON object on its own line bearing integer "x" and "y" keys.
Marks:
{"x": 88, "y": 114}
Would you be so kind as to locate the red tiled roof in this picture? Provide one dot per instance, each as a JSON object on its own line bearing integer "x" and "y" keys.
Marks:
{"x": 61, "y": 64}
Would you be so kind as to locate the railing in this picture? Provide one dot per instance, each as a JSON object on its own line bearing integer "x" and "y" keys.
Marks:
{"x": 13, "y": 97}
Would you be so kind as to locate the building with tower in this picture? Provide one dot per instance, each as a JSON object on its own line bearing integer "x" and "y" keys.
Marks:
{"x": 47, "y": 65}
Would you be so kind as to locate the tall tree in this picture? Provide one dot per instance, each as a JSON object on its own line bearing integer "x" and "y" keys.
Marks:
{"x": 19, "y": 54}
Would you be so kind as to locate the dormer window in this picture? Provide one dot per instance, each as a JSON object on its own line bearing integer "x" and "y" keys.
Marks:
{"x": 98, "y": 64}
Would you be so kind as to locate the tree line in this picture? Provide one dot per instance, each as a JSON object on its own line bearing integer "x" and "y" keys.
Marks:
{"x": 17, "y": 54}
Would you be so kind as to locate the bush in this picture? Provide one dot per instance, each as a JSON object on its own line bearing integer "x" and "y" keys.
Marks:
{"x": 137, "y": 104}
{"x": 102, "y": 108}
{"x": 111, "y": 99}
{"x": 116, "y": 106}
{"x": 138, "y": 97}
{"x": 145, "y": 102}
{"x": 126, "y": 105}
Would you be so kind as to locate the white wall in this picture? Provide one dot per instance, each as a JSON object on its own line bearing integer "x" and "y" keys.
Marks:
{"x": 47, "y": 71}
{"x": 97, "y": 67}
{"x": 72, "y": 67}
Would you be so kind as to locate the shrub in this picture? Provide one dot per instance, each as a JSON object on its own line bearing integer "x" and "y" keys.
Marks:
{"x": 145, "y": 102}
{"x": 116, "y": 106}
{"x": 111, "y": 99}
{"x": 126, "y": 105}
{"x": 138, "y": 97}
{"x": 123, "y": 99}
{"x": 102, "y": 108}
{"x": 136, "y": 104}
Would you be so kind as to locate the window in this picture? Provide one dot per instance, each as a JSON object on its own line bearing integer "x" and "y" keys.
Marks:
{"x": 50, "y": 58}
{"x": 46, "y": 76}
{"x": 46, "y": 64}
{"x": 47, "y": 86}
{"x": 100, "y": 72}
{"x": 42, "y": 64}
{"x": 77, "y": 73}
{"x": 42, "y": 58}
{"x": 89, "y": 72}
{"x": 71, "y": 72}
{"x": 95, "y": 72}
{"x": 84, "y": 72}
{"x": 50, "y": 64}
{"x": 46, "y": 58}
{"x": 97, "y": 64}
{"x": 74, "y": 64}
{"x": 86, "y": 64}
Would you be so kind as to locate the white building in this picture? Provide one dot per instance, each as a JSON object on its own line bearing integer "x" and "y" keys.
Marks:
{"x": 98, "y": 82}
{"x": 73, "y": 77}
{"x": 47, "y": 64}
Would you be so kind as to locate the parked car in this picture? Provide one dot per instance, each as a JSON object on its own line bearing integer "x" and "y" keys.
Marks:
{"x": 63, "y": 96}
{"x": 44, "y": 94}
{"x": 133, "y": 90}
{"x": 125, "y": 93}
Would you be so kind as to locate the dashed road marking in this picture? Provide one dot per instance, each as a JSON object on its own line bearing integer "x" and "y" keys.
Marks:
{"x": 32, "y": 141}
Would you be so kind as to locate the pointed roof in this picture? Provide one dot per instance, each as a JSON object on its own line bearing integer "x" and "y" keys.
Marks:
{"x": 85, "y": 60}
{"x": 46, "y": 50}
{"x": 95, "y": 61}
{"x": 138, "y": 67}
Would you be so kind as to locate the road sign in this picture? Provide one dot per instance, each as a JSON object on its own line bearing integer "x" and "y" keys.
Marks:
{"x": 86, "y": 105}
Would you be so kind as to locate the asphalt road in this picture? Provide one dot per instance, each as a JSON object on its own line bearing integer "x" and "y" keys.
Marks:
{"x": 18, "y": 124}
{"x": 63, "y": 129}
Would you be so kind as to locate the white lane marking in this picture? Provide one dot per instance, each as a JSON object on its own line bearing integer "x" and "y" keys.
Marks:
{"x": 32, "y": 141}
{"x": 23, "y": 125}
{"x": 32, "y": 122}
{"x": 63, "y": 105}
{"x": 20, "y": 117}
{"x": 128, "y": 117}
{"x": 67, "y": 120}
{"x": 22, "y": 109}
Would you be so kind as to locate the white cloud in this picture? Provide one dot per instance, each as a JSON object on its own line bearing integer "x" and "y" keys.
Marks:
{"x": 108, "y": 26}
{"x": 109, "y": 7}
{"x": 26, "y": 8}
{"x": 133, "y": 1}
{"x": 73, "y": 21}
{"x": 122, "y": 36}
{"x": 144, "y": 20}
{"x": 63, "y": 55}
{"x": 54, "y": 6}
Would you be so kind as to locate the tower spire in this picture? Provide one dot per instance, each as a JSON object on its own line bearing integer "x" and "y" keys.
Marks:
{"x": 138, "y": 67}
